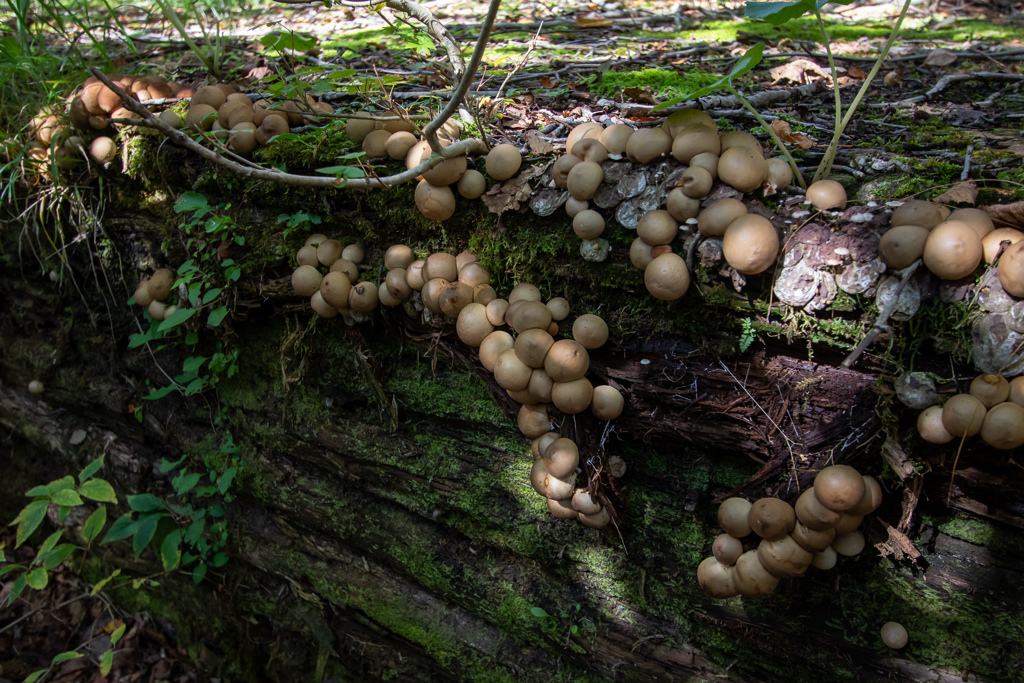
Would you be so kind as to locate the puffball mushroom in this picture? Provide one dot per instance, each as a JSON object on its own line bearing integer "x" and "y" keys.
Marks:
{"x": 496, "y": 311}
{"x": 743, "y": 168}
{"x": 727, "y": 549}
{"x": 435, "y": 203}
{"x": 847, "y": 523}
{"x": 902, "y": 245}
{"x": 375, "y": 145}
{"x": 827, "y": 195}
{"x": 687, "y": 119}
{"x": 990, "y": 389}
{"x": 811, "y": 540}
{"x": 454, "y": 297}
{"x": 930, "y": 427}
{"x": 717, "y": 579}
{"x": 363, "y": 297}
{"x": 750, "y": 243}
{"x": 813, "y": 514}
{"x": 538, "y": 475}
{"x": 532, "y": 346}
{"x": 35, "y": 387}
{"x": 585, "y": 130}
{"x": 993, "y": 242}
{"x": 696, "y": 182}
{"x": 607, "y": 403}
{"x": 917, "y": 212}
{"x": 503, "y": 162}
{"x": 321, "y": 307}
{"x": 963, "y": 415}
{"x": 647, "y": 144}
{"x": 492, "y": 346}
{"x": 1011, "y": 269}
{"x": 690, "y": 143}
{"x": 850, "y": 544}
{"x": 472, "y": 184}
{"x": 588, "y": 224}
{"x": 716, "y": 218}
{"x": 328, "y": 251}
{"x": 616, "y": 137}
{"x": 559, "y": 489}
{"x": 335, "y": 287}
{"x": 431, "y": 294}
{"x": 541, "y": 443}
{"x": 1003, "y": 427}
{"x": 590, "y": 330}
{"x": 599, "y": 520}
{"x": 780, "y": 176}
{"x": 583, "y": 180}
{"x": 472, "y": 325}
{"x": 524, "y": 291}
{"x": 510, "y": 372}
{"x": 567, "y": 360}
{"x": 399, "y": 144}
{"x": 446, "y": 172}
{"x": 825, "y": 559}
{"x": 953, "y": 250}
{"x": 561, "y": 458}
{"x": 894, "y": 635}
{"x": 142, "y": 296}
{"x": 583, "y": 502}
{"x": 533, "y": 421}
{"x": 667, "y": 277}
{"x": 771, "y": 518}
{"x": 398, "y": 256}
{"x": 348, "y": 269}
{"x": 103, "y": 149}
{"x": 871, "y": 500}
{"x": 680, "y": 206}
{"x": 561, "y": 509}
{"x": 572, "y": 397}
{"x": 590, "y": 149}
{"x": 976, "y": 218}
{"x": 839, "y": 487}
{"x": 783, "y": 557}
{"x": 657, "y": 227}
{"x": 161, "y": 282}
{"x": 559, "y": 308}
{"x": 733, "y": 517}
{"x": 751, "y": 578}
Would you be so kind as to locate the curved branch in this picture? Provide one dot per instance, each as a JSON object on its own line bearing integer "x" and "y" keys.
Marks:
{"x": 430, "y": 132}
{"x": 273, "y": 175}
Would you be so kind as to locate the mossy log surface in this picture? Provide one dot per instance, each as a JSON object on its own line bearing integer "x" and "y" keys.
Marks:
{"x": 384, "y": 525}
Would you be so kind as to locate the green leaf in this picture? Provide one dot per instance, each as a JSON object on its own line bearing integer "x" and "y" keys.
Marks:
{"x": 217, "y": 316}
{"x": 145, "y": 502}
{"x": 220, "y": 559}
{"x": 748, "y": 61}
{"x": 49, "y": 544}
{"x": 539, "y": 613}
{"x": 144, "y": 532}
{"x": 57, "y": 556}
{"x": 195, "y": 531}
{"x": 37, "y": 578}
{"x": 8, "y": 568}
{"x": 123, "y": 527}
{"x": 98, "y": 489}
{"x": 225, "y": 479}
{"x": 190, "y": 201}
{"x": 67, "y": 497}
{"x": 29, "y": 519}
{"x": 17, "y": 588}
{"x": 137, "y": 340}
{"x": 778, "y": 13}
{"x": 199, "y": 573}
{"x": 194, "y": 387}
{"x": 35, "y": 675}
{"x": 103, "y": 582}
{"x": 176, "y": 318}
{"x": 37, "y": 491}
{"x": 167, "y": 466}
{"x": 211, "y": 295}
{"x": 107, "y": 661}
{"x": 185, "y": 482}
{"x": 66, "y": 657}
{"x": 216, "y": 511}
{"x": 90, "y": 469}
{"x": 117, "y": 634}
{"x": 170, "y": 552}
{"x": 61, "y": 484}
{"x": 159, "y": 393}
{"x": 332, "y": 170}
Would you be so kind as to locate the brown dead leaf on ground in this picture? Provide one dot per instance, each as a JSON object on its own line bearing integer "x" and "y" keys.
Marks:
{"x": 511, "y": 194}
{"x": 783, "y": 130}
{"x": 856, "y": 72}
{"x": 590, "y": 21}
{"x": 940, "y": 57}
{"x": 537, "y": 144}
{"x": 1007, "y": 215}
{"x": 964, "y": 192}
{"x": 640, "y": 95}
{"x": 799, "y": 72}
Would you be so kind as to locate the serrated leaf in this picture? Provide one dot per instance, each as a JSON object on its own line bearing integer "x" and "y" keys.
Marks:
{"x": 90, "y": 469}
{"x": 123, "y": 527}
{"x": 107, "y": 662}
{"x": 66, "y": 657}
{"x": 117, "y": 634}
{"x": 98, "y": 489}
{"x": 58, "y": 555}
{"x": 67, "y": 497}
{"x": 103, "y": 582}
{"x": 144, "y": 531}
{"x": 170, "y": 552}
{"x": 29, "y": 519}
{"x": 37, "y": 578}
{"x": 176, "y": 318}
{"x": 145, "y": 502}
{"x": 217, "y": 316}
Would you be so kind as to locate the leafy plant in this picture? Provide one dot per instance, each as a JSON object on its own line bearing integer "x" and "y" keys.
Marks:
{"x": 747, "y": 335}
{"x": 212, "y": 55}
{"x": 300, "y": 220}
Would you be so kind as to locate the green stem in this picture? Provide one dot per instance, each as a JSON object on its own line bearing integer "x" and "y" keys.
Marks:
{"x": 825, "y": 168}
{"x": 831, "y": 63}
{"x": 764, "y": 124}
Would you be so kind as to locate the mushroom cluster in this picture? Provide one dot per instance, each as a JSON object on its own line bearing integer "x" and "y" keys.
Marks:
{"x": 822, "y": 525}
{"x": 328, "y": 273}
{"x": 152, "y": 294}
{"x": 993, "y": 408}
{"x": 691, "y": 137}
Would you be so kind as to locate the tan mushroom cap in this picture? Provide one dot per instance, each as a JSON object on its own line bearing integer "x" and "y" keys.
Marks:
{"x": 647, "y": 144}
{"x": 733, "y": 517}
{"x": 953, "y": 250}
{"x": 585, "y": 130}
{"x": 510, "y": 372}
{"x": 306, "y": 280}
{"x": 727, "y": 549}
{"x": 716, "y": 218}
{"x": 615, "y": 137}
{"x": 930, "y": 427}
{"x": 607, "y": 403}
{"x": 1003, "y": 427}
{"x": 976, "y": 218}
{"x": 680, "y": 206}
{"x": 561, "y": 458}
{"x": 990, "y": 389}
{"x": 839, "y": 487}
{"x": 590, "y": 330}
{"x": 503, "y": 162}
{"x": 902, "y": 245}
{"x": 599, "y": 520}
{"x": 567, "y": 360}
{"x": 590, "y": 149}
{"x": 743, "y": 168}
{"x": 335, "y": 288}
{"x": 871, "y": 500}
{"x": 583, "y": 180}
{"x": 398, "y": 256}
{"x": 572, "y": 397}
{"x": 667, "y": 277}
{"x": 472, "y": 184}
{"x": 827, "y": 195}
{"x": 532, "y": 346}
{"x": 492, "y": 346}
{"x": 472, "y": 325}
{"x": 917, "y": 212}
{"x": 751, "y": 578}
{"x": 533, "y": 421}
{"x": 657, "y": 227}
{"x": 850, "y": 544}
{"x": 825, "y": 559}
{"x": 894, "y": 635}
{"x": 717, "y": 579}
{"x": 963, "y": 415}
{"x": 783, "y": 557}
{"x": 687, "y": 119}
{"x": 750, "y": 244}
{"x": 588, "y": 224}
{"x": 1011, "y": 270}
{"x": 813, "y": 514}
{"x": 561, "y": 489}
{"x": 583, "y": 502}
{"x": 993, "y": 242}
{"x": 561, "y": 509}
{"x": 771, "y": 518}
{"x": 811, "y": 540}
{"x": 435, "y": 203}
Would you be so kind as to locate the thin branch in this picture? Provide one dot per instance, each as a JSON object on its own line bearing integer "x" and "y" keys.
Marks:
{"x": 882, "y": 323}
{"x": 273, "y": 175}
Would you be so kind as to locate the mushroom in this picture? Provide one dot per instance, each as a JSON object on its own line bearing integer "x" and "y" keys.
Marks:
{"x": 930, "y": 427}
{"x": 561, "y": 458}
{"x": 1011, "y": 269}
{"x": 503, "y": 162}
{"x": 474, "y": 274}
{"x": 538, "y": 476}
{"x": 953, "y": 250}
{"x": 399, "y": 144}
{"x": 657, "y": 227}
{"x": 839, "y": 487}
{"x": 375, "y": 145}
{"x": 454, "y": 297}
{"x": 871, "y": 500}
{"x": 727, "y": 549}
{"x": 590, "y": 149}
{"x": 615, "y": 137}
{"x": 583, "y": 502}
{"x": 472, "y": 325}
{"x": 398, "y": 256}
{"x": 717, "y": 579}
{"x": 583, "y": 180}
{"x": 530, "y": 315}
{"x": 771, "y": 518}
{"x": 598, "y": 520}
{"x": 567, "y": 360}
{"x": 647, "y": 144}
{"x": 435, "y": 203}
{"x": 559, "y": 308}
{"x": 743, "y": 167}
{"x": 707, "y": 161}
{"x": 510, "y": 372}
{"x": 739, "y": 138}
{"x": 976, "y": 218}
{"x": 492, "y": 346}
{"x": 562, "y": 166}
{"x": 690, "y": 143}
{"x": 696, "y": 182}
{"x": 588, "y": 224}
{"x": 894, "y": 635}
{"x": 850, "y": 544}
{"x": 560, "y": 489}
{"x": 1003, "y": 427}
{"x": 351, "y": 270}
{"x": 680, "y": 206}
{"x": 590, "y": 330}
{"x": 827, "y": 195}
{"x": 810, "y": 539}
{"x": 733, "y": 517}
{"x": 162, "y": 281}
{"x": 750, "y": 576}
{"x": 719, "y": 215}
{"x": 990, "y": 389}
{"x": 327, "y": 252}
{"x": 750, "y": 243}
{"x": 431, "y": 294}
{"x": 825, "y": 559}
{"x": 446, "y": 172}
{"x": 541, "y": 443}
{"x": 363, "y": 297}
{"x": 683, "y": 120}
{"x": 963, "y": 415}
{"x": 640, "y": 253}
{"x": 916, "y": 212}
{"x": 441, "y": 265}
{"x": 780, "y": 176}
{"x": 561, "y": 509}
{"x": 585, "y": 130}
{"x": 321, "y": 307}
{"x": 532, "y": 346}
{"x": 572, "y": 397}
{"x": 902, "y": 245}
{"x": 607, "y": 402}
{"x": 496, "y": 311}
{"x": 667, "y": 277}
{"x": 993, "y": 242}
{"x": 847, "y": 523}
{"x": 533, "y": 421}
{"x": 573, "y": 206}
{"x": 783, "y": 557}
{"x": 472, "y": 184}
{"x": 35, "y": 387}
{"x": 335, "y": 287}
{"x": 813, "y": 514}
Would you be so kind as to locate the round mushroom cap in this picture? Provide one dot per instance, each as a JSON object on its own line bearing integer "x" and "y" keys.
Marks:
{"x": 640, "y": 253}
{"x": 717, "y": 579}
{"x": 825, "y": 559}
{"x": 375, "y": 145}
{"x": 529, "y": 315}
{"x": 354, "y": 253}
{"x": 850, "y": 544}
{"x": 572, "y": 397}
{"x": 719, "y": 215}
{"x": 902, "y": 245}
{"x": 503, "y": 162}
{"x": 474, "y": 274}
{"x": 472, "y": 325}
{"x": 533, "y": 421}
{"x": 894, "y": 635}
{"x": 567, "y": 360}
{"x": 435, "y": 203}
{"x": 596, "y": 521}
{"x": 590, "y": 330}
{"x": 647, "y": 144}
{"x": 200, "y": 117}
{"x": 583, "y": 180}
{"x": 680, "y": 206}
{"x": 454, "y": 297}
{"x": 811, "y": 540}
{"x": 848, "y": 522}
{"x": 532, "y": 346}
{"x": 350, "y": 269}
{"x": 771, "y": 518}
{"x": 783, "y": 557}
{"x": 590, "y": 149}
{"x": 561, "y": 509}
{"x": 398, "y": 256}
{"x": 739, "y": 138}
{"x": 363, "y": 297}
{"x": 328, "y": 251}
{"x": 541, "y": 443}
{"x": 930, "y": 427}
{"x": 727, "y": 549}
{"x": 707, "y": 161}
{"x": 161, "y": 282}
{"x": 583, "y": 502}
{"x": 733, "y": 517}
{"x": 446, "y": 172}
{"x": 953, "y": 250}
{"x": 510, "y": 372}
{"x": 335, "y": 288}
{"x": 270, "y": 127}
{"x": 321, "y": 307}
{"x": 142, "y": 295}
{"x": 496, "y": 310}
{"x": 993, "y": 242}
{"x": 585, "y": 130}
{"x": 561, "y": 457}
{"x": 306, "y": 256}
{"x": 1003, "y": 427}
{"x": 560, "y": 169}
{"x": 657, "y": 227}
{"x": 750, "y": 243}
{"x": 399, "y": 144}
{"x": 559, "y": 308}
{"x": 573, "y": 206}
{"x": 990, "y": 389}
{"x": 780, "y": 176}
{"x": 562, "y": 489}
{"x": 538, "y": 475}
{"x": 1011, "y": 269}
{"x": 607, "y": 403}
{"x": 976, "y": 218}
{"x": 492, "y": 346}
{"x": 687, "y": 119}
{"x": 615, "y": 137}
{"x": 827, "y": 195}
{"x": 751, "y": 578}
{"x": 667, "y": 277}
{"x": 696, "y": 182}
{"x": 839, "y": 487}
{"x": 103, "y": 149}
{"x": 916, "y": 212}
{"x": 472, "y": 184}
{"x": 588, "y": 224}
{"x": 813, "y": 514}
{"x": 871, "y": 500}
{"x": 35, "y": 387}
{"x": 963, "y": 415}
{"x": 743, "y": 168}
{"x": 694, "y": 141}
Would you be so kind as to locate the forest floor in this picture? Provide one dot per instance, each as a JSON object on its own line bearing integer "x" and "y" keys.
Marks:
{"x": 941, "y": 121}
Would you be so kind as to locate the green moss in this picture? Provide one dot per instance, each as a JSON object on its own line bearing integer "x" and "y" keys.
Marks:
{"x": 664, "y": 83}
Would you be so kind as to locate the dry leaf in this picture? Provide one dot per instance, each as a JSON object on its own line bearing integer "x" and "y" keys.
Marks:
{"x": 1007, "y": 215}
{"x": 964, "y": 192}
{"x": 856, "y": 72}
{"x": 642, "y": 95}
{"x": 940, "y": 57}
{"x": 592, "y": 22}
{"x": 537, "y": 144}
{"x": 892, "y": 78}
{"x": 511, "y": 194}
{"x": 783, "y": 130}
{"x": 547, "y": 82}
{"x": 800, "y": 72}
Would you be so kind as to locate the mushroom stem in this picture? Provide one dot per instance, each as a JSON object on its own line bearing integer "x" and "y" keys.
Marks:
{"x": 775, "y": 138}
{"x": 881, "y": 325}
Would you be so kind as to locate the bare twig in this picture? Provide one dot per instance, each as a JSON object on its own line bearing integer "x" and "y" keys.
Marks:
{"x": 519, "y": 65}
{"x": 882, "y": 323}
{"x": 946, "y": 81}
